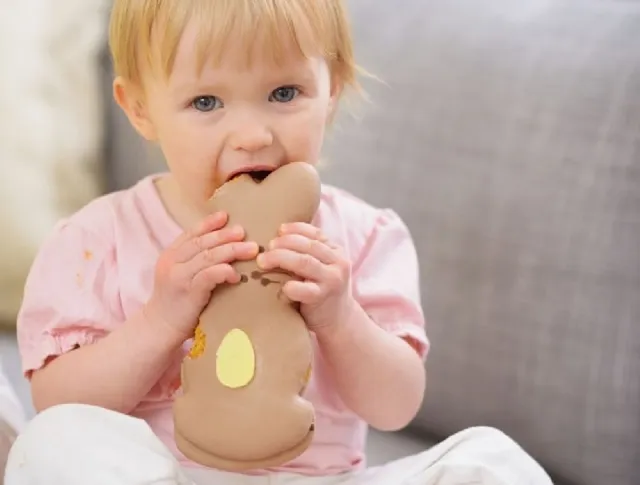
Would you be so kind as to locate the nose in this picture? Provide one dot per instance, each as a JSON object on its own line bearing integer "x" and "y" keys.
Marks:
{"x": 249, "y": 133}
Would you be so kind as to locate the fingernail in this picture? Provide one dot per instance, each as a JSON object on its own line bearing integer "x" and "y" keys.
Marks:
{"x": 283, "y": 228}
{"x": 272, "y": 244}
{"x": 260, "y": 260}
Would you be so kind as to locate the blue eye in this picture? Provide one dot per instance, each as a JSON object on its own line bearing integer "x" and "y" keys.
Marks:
{"x": 284, "y": 94}
{"x": 206, "y": 103}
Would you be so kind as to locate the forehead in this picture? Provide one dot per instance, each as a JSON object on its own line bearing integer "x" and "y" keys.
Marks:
{"x": 244, "y": 65}
{"x": 241, "y": 34}
{"x": 197, "y": 51}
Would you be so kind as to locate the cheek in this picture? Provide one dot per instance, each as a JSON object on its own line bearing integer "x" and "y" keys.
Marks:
{"x": 184, "y": 143}
{"x": 170, "y": 133}
{"x": 190, "y": 153}
{"x": 304, "y": 134}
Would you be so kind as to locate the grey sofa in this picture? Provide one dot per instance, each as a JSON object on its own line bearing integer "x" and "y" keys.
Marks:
{"x": 507, "y": 134}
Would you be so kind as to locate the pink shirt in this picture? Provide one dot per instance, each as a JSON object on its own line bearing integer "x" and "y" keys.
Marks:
{"x": 96, "y": 270}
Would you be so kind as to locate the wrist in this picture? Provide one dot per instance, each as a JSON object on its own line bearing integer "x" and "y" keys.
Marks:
{"x": 154, "y": 328}
{"x": 343, "y": 328}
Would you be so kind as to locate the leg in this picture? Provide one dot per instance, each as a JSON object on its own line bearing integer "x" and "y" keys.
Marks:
{"x": 75, "y": 444}
{"x": 475, "y": 456}
{"x": 209, "y": 476}
{"x": 7, "y": 437}
{"x": 12, "y": 419}
{"x": 11, "y": 411}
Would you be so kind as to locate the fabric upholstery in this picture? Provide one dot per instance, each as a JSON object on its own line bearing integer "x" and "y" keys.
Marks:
{"x": 507, "y": 134}
{"x": 50, "y": 128}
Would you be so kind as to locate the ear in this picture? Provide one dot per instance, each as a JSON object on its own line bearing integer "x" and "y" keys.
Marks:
{"x": 334, "y": 96}
{"x": 131, "y": 100}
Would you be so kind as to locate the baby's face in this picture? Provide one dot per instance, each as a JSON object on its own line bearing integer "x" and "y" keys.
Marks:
{"x": 234, "y": 117}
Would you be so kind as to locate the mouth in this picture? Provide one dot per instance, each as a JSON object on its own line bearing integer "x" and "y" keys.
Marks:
{"x": 258, "y": 174}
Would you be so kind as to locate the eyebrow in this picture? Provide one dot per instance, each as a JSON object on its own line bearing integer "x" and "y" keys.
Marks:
{"x": 283, "y": 76}
{"x": 303, "y": 75}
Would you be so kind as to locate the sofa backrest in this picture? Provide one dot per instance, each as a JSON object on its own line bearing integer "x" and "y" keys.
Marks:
{"x": 507, "y": 134}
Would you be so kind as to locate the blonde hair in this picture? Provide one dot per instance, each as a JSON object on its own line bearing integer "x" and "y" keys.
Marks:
{"x": 146, "y": 33}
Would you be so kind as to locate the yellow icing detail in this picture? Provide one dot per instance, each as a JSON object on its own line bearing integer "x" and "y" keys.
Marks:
{"x": 235, "y": 359}
{"x": 199, "y": 343}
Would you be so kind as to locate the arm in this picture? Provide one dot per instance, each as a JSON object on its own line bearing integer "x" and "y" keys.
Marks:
{"x": 72, "y": 317}
{"x": 378, "y": 375}
{"x": 377, "y": 356}
{"x": 143, "y": 355}
{"x": 360, "y": 327}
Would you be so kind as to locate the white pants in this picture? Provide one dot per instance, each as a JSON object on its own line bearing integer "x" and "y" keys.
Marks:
{"x": 83, "y": 445}
{"x": 12, "y": 418}
{"x": 11, "y": 411}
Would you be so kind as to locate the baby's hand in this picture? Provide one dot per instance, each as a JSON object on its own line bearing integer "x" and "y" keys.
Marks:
{"x": 324, "y": 271}
{"x": 189, "y": 270}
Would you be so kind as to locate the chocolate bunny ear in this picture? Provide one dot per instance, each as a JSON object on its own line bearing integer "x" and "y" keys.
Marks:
{"x": 296, "y": 187}
{"x": 291, "y": 193}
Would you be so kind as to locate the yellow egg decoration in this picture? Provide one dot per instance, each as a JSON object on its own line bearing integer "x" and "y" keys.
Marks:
{"x": 235, "y": 360}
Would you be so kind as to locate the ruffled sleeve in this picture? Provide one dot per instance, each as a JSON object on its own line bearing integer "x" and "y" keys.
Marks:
{"x": 386, "y": 280}
{"x": 71, "y": 297}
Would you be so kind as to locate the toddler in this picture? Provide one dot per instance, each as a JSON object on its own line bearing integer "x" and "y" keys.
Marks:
{"x": 111, "y": 302}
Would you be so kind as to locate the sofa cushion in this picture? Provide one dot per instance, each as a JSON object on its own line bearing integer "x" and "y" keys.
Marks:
{"x": 507, "y": 134}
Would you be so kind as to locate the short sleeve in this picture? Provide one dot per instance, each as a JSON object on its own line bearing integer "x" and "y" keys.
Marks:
{"x": 70, "y": 297}
{"x": 386, "y": 280}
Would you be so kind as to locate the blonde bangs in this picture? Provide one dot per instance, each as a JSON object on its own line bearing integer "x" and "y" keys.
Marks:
{"x": 148, "y": 32}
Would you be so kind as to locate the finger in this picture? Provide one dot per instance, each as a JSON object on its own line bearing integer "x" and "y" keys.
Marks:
{"x": 225, "y": 253}
{"x": 305, "y": 245}
{"x": 208, "y": 241}
{"x": 212, "y": 222}
{"x": 303, "y": 265}
{"x": 306, "y": 292}
{"x": 303, "y": 229}
{"x": 212, "y": 276}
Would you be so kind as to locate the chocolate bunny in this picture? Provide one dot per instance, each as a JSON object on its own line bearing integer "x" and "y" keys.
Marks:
{"x": 241, "y": 405}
